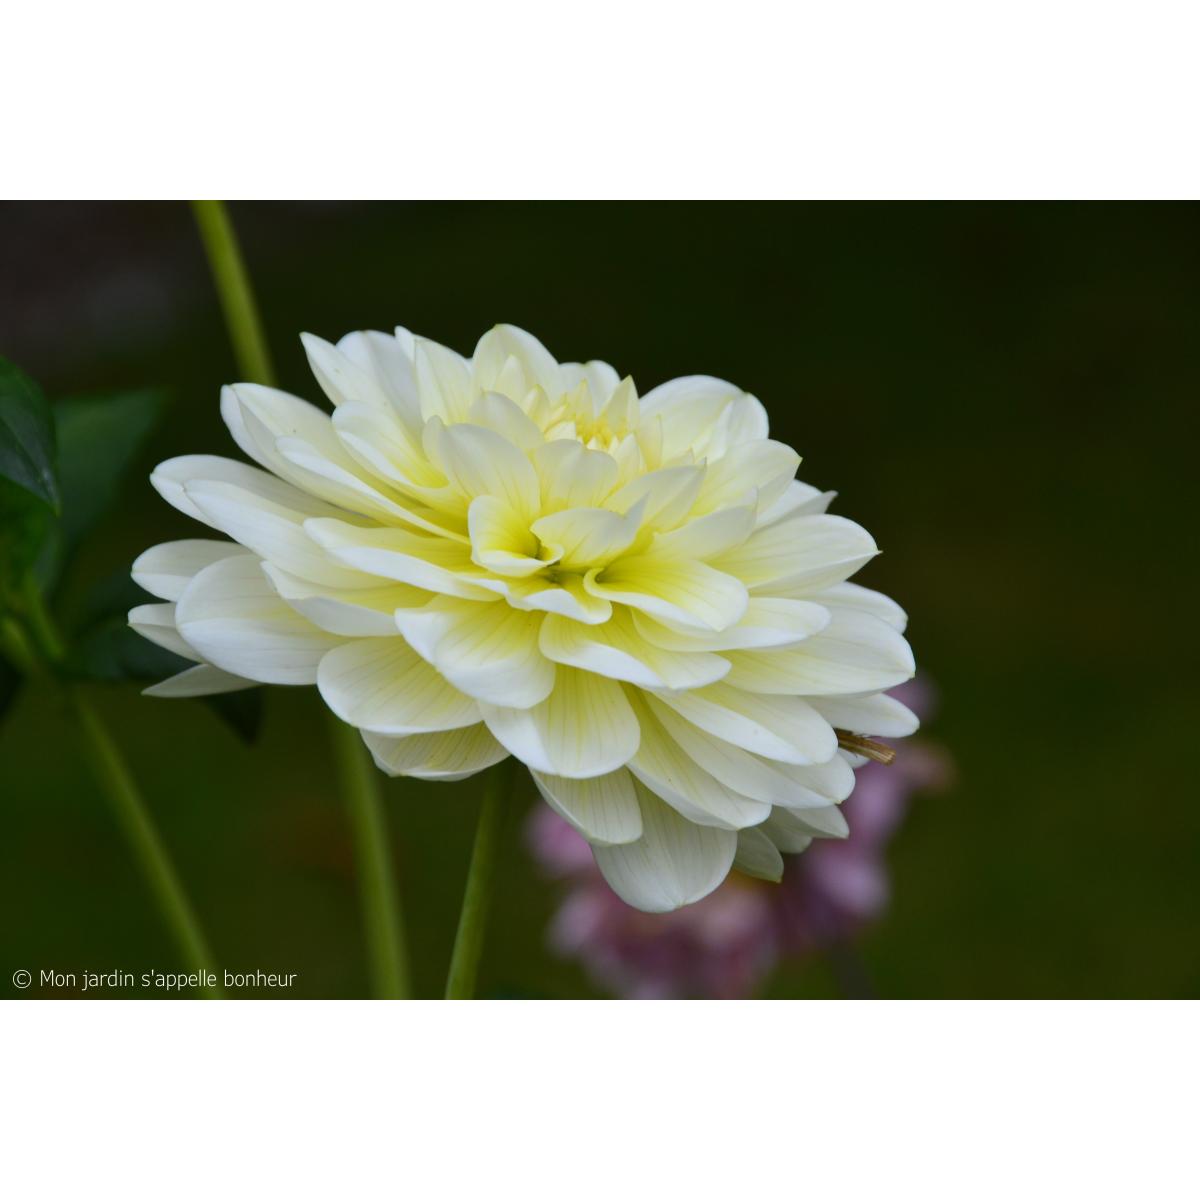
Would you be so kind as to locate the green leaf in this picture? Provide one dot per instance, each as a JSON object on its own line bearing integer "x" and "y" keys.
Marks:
{"x": 98, "y": 439}
{"x": 25, "y": 528}
{"x": 26, "y": 436}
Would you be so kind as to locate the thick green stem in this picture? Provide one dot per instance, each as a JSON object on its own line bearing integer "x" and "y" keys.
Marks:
{"x": 115, "y": 781}
{"x": 358, "y": 779}
{"x": 472, "y": 921}
{"x": 233, "y": 288}
{"x": 118, "y": 786}
{"x": 381, "y": 907}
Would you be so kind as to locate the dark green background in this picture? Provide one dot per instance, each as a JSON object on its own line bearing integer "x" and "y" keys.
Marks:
{"x": 998, "y": 392}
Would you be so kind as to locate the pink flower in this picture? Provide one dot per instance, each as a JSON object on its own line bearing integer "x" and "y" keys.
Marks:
{"x": 724, "y": 946}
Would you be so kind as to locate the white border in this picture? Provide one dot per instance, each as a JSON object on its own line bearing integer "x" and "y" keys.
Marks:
{"x": 632, "y": 98}
{"x": 601, "y": 1099}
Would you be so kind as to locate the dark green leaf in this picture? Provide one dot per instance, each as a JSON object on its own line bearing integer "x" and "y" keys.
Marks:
{"x": 98, "y": 439}
{"x": 25, "y": 528}
{"x": 26, "y": 435}
{"x": 111, "y": 652}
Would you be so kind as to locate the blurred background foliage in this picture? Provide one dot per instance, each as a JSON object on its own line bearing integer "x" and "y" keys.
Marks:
{"x": 1000, "y": 393}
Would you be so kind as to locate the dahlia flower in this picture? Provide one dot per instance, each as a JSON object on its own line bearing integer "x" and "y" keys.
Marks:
{"x": 473, "y": 558}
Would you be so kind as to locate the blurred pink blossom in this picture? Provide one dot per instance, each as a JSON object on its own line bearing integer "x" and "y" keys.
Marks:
{"x": 724, "y": 946}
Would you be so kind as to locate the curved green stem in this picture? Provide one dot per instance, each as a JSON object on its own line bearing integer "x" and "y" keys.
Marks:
{"x": 117, "y": 783}
{"x": 118, "y": 786}
{"x": 472, "y": 921}
{"x": 233, "y": 288}
{"x": 381, "y": 907}
{"x": 358, "y": 779}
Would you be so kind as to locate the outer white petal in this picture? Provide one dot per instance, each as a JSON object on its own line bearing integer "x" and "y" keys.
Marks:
{"x": 204, "y": 680}
{"x": 761, "y": 779}
{"x": 666, "y": 496}
{"x": 798, "y": 499}
{"x": 231, "y": 616}
{"x": 799, "y": 555}
{"x": 156, "y": 623}
{"x": 875, "y": 716}
{"x": 792, "y": 837}
{"x": 766, "y": 623}
{"x": 357, "y": 612}
{"x": 388, "y": 358}
{"x": 664, "y": 767}
{"x": 489, "y": 651}
{"x": 861, "y": 599}
{"x": 673, "y": 863}
{"x": 386, "y": 687}
{"x": 758, "y": 856}
{"x": 854, "y": 653}
{"x": 448, "y": 756}
{"x": 815, "y": 822}
{"x": 584, "y": 728}
{"x": 166, "y": 570}
{"x": 691, "y": 594}
{"x": 171, "y": 477}
{"x": 604, "y": 809}
{"x": 778, "y": 727}
{"x": 615, "y": 649}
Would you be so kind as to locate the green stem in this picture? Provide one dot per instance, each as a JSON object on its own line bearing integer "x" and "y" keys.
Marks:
{"x": 472, "y": 921}
{"x": 381, "y": 908}
{"x": 233, "y": 287}
{"x": 118, "y": 786}
{"x": 359, "y": 783}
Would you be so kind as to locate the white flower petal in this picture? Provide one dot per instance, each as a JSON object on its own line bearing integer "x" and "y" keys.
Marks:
{"x": 798, "y": 499}
{"x": 417, "y": 559}
{"x": 479, "y": 462}
{"x": 501, "y": 540}
{"x": 583, "y": 538}
{"x": 444, "y": 385}
{"x": 584, "y": 728}
{"x": 156, "y": 623}
{"x": 204, "y": 680}
{"x": 167, "y": 569}
{"x": 779, "y": 727}
{"x": 765, "y": 466}
{"x": 664, "y": 767}
{"x": 604, "y": 809}
{"x": 813, "y": 822}
{"x": 758, "y": 856}
{"x": 274, "y": 531}
{"x": 386, "y": 687}
{"x": 488, "y": 651}
{"x": 567, "y": 597}
{"x": 799, "y": 555}
{"x": 861, "y": 599}
{"x": 232, "y": 618}
{"x": 673, "y": 863}
{"x": 571, "y": 476}
{"x": 874, "y": 716}
{"x": 751, "y": 775}
{"x": 351, "y": 612}
{"x": 766, "y": 623}
{"x": 449, "y": 756}
{"x": 503, "y": 342}
{"x": 855, "y": 653}
{"x": 616, "y": 650}
{"x": 706, "y": 537}
{"x": 691, "y": 594}
{"x": 790, "y": 836}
